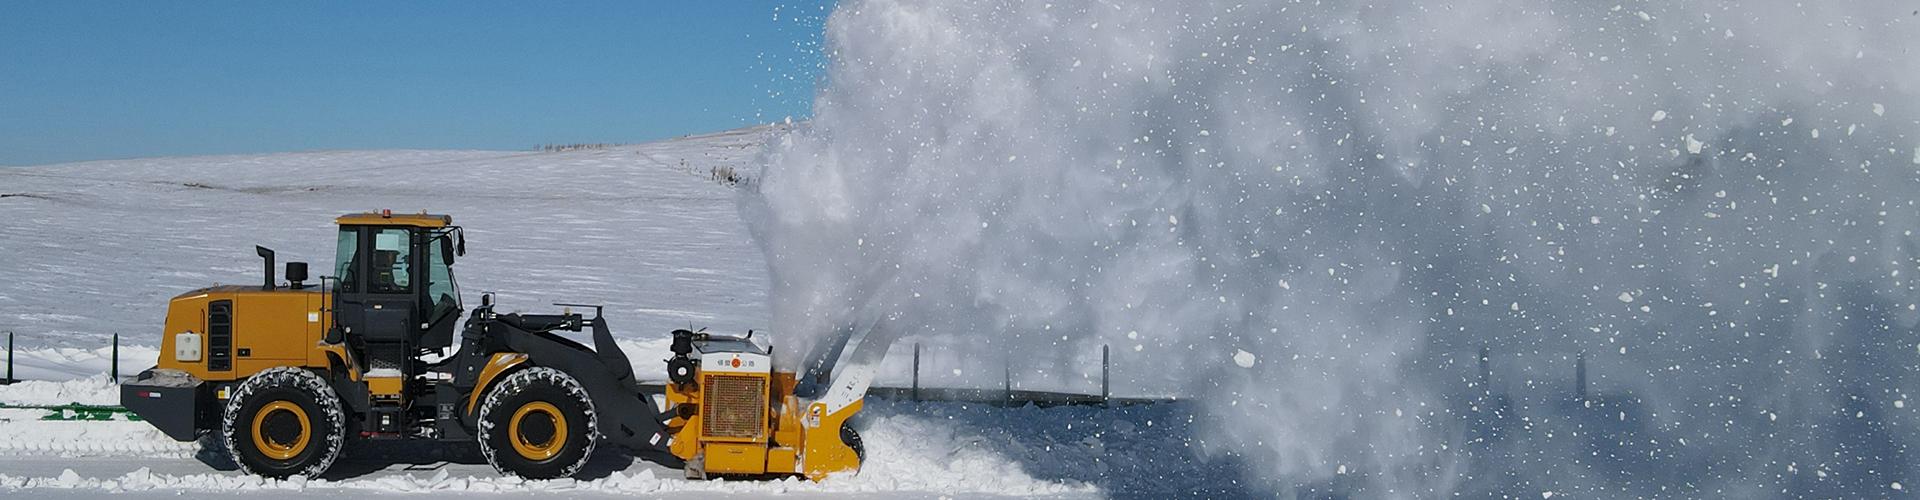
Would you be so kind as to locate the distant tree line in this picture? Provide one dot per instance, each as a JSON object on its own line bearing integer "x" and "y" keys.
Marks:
{"x": 559, "y": 148}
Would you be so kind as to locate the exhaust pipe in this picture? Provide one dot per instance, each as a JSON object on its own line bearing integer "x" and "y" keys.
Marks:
{"x": 266, "y": 253}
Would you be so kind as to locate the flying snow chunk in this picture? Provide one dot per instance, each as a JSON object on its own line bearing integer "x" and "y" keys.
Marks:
{"x": 1626, "y": 297}
{"x": 1659, "y": 115}
{"x": 1694, "y": 145}
{"x": 1243, "y": 358}
{"x": 1916, "y": 155}
{"x": 1879, "y": 110}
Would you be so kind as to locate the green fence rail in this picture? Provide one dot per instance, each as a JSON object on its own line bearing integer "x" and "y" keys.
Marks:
{"x": 77, "y": 412}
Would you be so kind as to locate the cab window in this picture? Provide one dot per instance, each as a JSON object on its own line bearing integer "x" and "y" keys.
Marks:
{"x": 343, "y": 258}
{"x": 390, "y": 261}
{"x": 440, "y": 286}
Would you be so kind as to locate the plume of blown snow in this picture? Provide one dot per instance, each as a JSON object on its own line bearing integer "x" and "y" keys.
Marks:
{"x": 1360, "y": 197}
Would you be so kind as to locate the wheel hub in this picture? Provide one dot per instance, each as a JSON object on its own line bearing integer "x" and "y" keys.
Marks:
{"x": 281, "y": 430}
{"x": 537, "y": 431}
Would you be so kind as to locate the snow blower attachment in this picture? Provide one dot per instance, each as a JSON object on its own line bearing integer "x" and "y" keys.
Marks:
{"x": 734, "y": 415}
{"x": 280, "y": 376}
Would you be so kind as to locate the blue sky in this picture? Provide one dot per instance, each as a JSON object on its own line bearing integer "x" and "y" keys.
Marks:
{"x": 84, "y": 80}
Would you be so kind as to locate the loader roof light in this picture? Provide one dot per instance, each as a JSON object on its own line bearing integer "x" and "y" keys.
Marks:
{"x": 386, "y": 213}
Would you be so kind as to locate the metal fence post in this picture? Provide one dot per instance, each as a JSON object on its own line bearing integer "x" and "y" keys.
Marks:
{"x": 9, "y": 356}
{"x": 1580, "y": 377}
{"x": 115, "y": 370}
{"x": 1486, "y": 371}
{"x": 1106, "y": 388}
{"x": 916, "y": 372}
{"x": 1008, "y": 373}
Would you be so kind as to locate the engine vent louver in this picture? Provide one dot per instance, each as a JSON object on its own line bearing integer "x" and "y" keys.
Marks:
{"x": 733, "y": 407}
{"x": 220, "y": 336}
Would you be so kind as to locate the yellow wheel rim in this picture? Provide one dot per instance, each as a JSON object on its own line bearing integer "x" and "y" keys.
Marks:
{"x": 274, "y": 448}
{"x": 542, "y": 450}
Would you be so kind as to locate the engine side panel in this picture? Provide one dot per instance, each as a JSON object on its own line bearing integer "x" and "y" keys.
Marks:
{"x": 266, "y": 329}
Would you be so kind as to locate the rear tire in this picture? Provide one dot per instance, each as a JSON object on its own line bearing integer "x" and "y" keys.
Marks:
{"x": 538, "y": 423}
{"x": 284, "y": 422}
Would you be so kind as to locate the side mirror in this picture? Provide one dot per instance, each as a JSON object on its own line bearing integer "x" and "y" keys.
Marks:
{"x": 460, "y": 244}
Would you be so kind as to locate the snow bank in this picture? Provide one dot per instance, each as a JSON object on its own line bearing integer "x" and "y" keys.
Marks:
{"x": 21, "y": 432}
{"x": 1359, "y": 196}
{"x": 95, "y": 390}
{"x": 69, "y": 363}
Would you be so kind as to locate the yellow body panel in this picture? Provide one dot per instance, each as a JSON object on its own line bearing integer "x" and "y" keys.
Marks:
{"x": 824, "y": 454}
{"x": 274, "y": 328}
{"x": 782, "y": 460}
{"x": 736, "y": 458}
{"x": 385, "y": 387}
{"x": 280, "y": 327}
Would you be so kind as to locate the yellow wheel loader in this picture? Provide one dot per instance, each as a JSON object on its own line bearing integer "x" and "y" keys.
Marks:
{"x": 282, "y": 375}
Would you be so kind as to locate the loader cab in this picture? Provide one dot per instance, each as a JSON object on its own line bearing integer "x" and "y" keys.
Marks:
{"x": 395, "y": 293}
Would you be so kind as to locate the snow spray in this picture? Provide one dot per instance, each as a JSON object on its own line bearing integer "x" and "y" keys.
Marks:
{"x": 1315, "y": 216}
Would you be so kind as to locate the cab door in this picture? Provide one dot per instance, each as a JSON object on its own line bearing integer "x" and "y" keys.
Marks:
{"x": 376, "y": 296}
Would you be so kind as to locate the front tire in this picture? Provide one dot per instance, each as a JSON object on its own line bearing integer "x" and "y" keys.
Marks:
{"x": 284, "y": 422}
{"x": 538, "y": 424}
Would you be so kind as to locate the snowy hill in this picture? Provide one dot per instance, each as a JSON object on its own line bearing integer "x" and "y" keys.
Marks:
{"x": 97, "y": 248}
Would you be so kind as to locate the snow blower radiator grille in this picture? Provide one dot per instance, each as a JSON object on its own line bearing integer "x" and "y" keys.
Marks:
{"x": 734, "y": 407}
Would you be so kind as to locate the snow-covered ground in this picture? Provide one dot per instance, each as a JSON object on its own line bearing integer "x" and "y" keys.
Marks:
{"x": 97, "y": 248}
{"x": 914, "y": 450}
